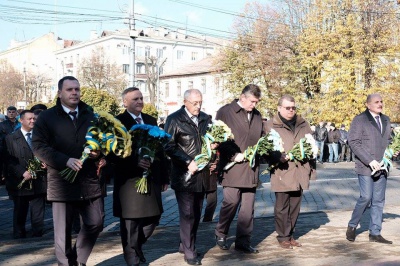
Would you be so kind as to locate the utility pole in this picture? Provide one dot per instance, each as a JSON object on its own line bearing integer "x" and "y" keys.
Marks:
{"x": 133, "y": 35}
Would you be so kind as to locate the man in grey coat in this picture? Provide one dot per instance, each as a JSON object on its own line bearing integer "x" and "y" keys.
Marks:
{"x": 240, "y": 181}
{"x": 369, "y": 136}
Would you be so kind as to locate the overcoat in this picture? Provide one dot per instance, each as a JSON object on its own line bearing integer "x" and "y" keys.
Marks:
{"x": 246, "y": 133}
{"x": 18, "y": 155}
{"x": 55, "y": 140}
{"x": 367, "y": 142}
{"x": 290, "y": 176}
{"x": 127, "y": 202}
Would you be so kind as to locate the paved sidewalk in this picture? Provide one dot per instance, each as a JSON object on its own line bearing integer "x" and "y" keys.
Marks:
{"x": 321, "y": 227}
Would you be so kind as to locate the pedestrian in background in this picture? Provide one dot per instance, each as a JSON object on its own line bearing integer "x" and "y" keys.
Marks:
{"x": 321, "y": 136}
{"x": 333, "y": 144}
{"x": 369, "y": 136}
{"x": 32, "y": 194}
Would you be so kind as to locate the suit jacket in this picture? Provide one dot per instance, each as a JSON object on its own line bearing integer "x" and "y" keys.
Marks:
{"x": 127, "y": 202}
{"x": 367, "y": 142}
{"x": 18, "y": 155}
{"x": 246, "y": 133}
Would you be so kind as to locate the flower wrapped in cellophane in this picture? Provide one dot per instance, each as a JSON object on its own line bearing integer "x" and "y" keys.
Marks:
{"x": 306, "y": 149}
{"x": 34, "y": 166}
{"x": 264, "y": 146}
{"x": 394, "y": 147}
{"x": 217, "y": 132}
{"x": 148, "y": 141}
{"x": 106, "y": 134}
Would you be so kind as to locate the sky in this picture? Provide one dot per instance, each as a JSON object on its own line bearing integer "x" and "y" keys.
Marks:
{"x": 74, "y": 19}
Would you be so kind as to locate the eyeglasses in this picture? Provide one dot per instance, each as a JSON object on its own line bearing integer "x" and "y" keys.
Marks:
{"x": 289, "y": 108}
{"x": 195, "y": 103}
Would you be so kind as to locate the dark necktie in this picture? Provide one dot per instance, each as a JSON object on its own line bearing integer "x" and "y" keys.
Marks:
{"x": 379, "y": 123}
{"x": 73, "y": 114}
{"x": 29, "y": 139}
{"x": 138, "y": 120}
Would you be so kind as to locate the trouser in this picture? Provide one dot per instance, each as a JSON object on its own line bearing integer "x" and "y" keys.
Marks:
{"x": 345, "y": 152}
{"x": 320, "y": 145}
{"x": 211, "y": 200}
{"x": 333, "y": 152}
{"x": 371, "y": 191}
{"x": 134, "y": 233}
{"x": 286, "y": 211}
{"x": 232, "y": 198}
{"x": 189, "y": 205}
{"x": 92, "y": 216}
{"x": 21, "y": 207}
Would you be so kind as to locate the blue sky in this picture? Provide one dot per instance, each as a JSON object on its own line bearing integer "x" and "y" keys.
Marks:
{"x": 27, "y": 19}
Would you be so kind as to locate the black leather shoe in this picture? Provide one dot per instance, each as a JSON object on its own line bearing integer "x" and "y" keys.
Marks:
{"x": 141, "y": 256}
{"x": 246, "y": 249}
{"x": 194, "y": 261}
{"x": 221, "y": 243}
{"x": 351, "y": 233}
{"x": 81, "y": 264}
{"x": 379, "y": 239}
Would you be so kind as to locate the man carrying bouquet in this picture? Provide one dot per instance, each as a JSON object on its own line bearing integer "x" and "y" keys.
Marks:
{"x": 139, "y": 213}
{"x": 32, "y": 193}
{"x": 288, "y": 178}
{"x": 58, "y": 141}
{"x": 186, "y": 127}
{"x": 240, "y": 181}
{"x": 369, "y": 136}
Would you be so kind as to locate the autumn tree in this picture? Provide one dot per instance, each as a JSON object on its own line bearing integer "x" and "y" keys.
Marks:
{"x": 152, "y": 66}
{"x": 11, "y": 85}
{"x": 99, "y": 72}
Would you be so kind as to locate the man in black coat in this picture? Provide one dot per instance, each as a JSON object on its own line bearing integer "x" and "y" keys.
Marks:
{"x": 139, "y": 213}
{"x": 6, "y": 127}
{"x": 58, "y": 141}
{"x": 187, "y": 126}
{"x": 33, "y": 192}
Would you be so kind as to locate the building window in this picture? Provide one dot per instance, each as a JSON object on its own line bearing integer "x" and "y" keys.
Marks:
{"x": 178, "y": 88}
{"x": 216, "y": 82}
{"x": 203, "y": 86}
{"x": 160, "y": 53}
{"x": 195, "y": 55}
{"x": 139, "y": 51}
{"x": 179, "y": 54}
{"x": 190, "y": 84}
{"x": 167, "y": 89}
{"x": 125, "y": 68}
{"x": 140, "y": 68}
{"x": 147, "y": 51}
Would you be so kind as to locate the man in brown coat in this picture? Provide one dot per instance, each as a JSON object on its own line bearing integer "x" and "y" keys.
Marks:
{"x": 240, "y": 181}
{"x": 288, "y": 179}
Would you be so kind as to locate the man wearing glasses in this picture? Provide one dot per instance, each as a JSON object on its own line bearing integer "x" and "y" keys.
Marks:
{"x": 186, "y": 127}
{"x": 240, "y": 181}
{"x": 288, "y": 179}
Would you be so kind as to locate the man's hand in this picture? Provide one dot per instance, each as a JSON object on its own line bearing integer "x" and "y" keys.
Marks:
{"x": 239, "y": 158}
{"x": 144, "y": 163}
{"x": 44, "y": 166}
{"x": 100, "y": 165}
{"x": 214, "y": 146}
{"x": 374, "y": 165}
{"x": 284, "y": 157}
{"x": 164, "y": 187}
{"x": 193, "y": 167}
{"x": 27, "y": 175}
{"x": 396, "y": 154}
{"x": 74, "y": 164}
{"x": 94, "y": 154}
{"x": 212, "y": 167}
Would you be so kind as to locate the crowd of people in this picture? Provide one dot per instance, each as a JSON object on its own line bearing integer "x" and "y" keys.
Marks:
{"x": 56, "y": 137}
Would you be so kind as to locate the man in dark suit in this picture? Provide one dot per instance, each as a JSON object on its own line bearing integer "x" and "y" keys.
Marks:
{"x": 139, "y": 213}
{"x": 33, "y": 192}
{"x": 369, "y": 136}
{"x": 58, "y": 141}
{"x": 240, "y": 181}
{"x": 187, "y": 126}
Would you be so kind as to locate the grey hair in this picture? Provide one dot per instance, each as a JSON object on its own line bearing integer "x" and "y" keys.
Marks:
{"x": 189, "y": 92}
{"x": 286, "y": 97}
{"x": 370, "y": 96}
{"x": 128, "y": 90}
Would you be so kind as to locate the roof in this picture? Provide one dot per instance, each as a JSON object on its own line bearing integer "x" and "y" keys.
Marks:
{"x": 204, "y": 66}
